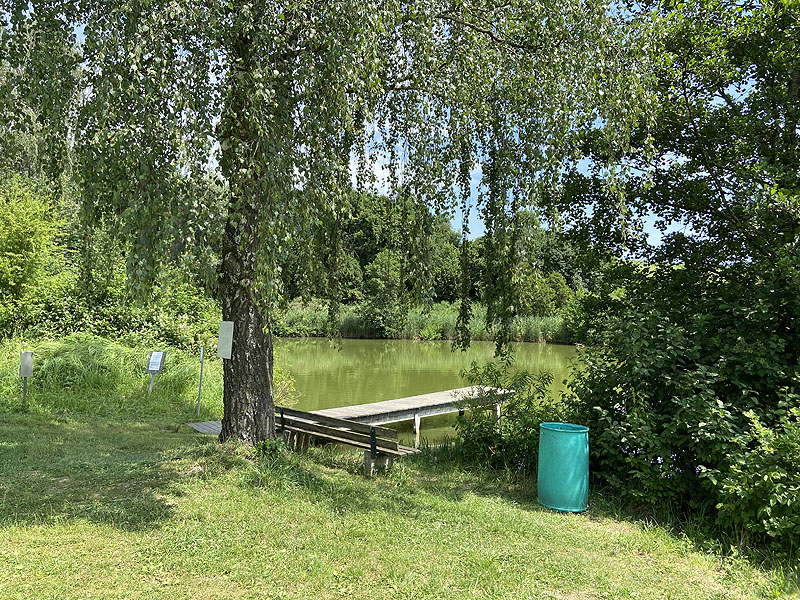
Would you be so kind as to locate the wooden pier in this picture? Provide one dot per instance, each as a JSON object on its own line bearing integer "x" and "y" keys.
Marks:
{"x": 407, "y": 409}
{"x": 390, "y": 411}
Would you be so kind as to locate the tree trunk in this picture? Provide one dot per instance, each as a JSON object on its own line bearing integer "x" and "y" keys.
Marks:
{"x": 249, "y": 406}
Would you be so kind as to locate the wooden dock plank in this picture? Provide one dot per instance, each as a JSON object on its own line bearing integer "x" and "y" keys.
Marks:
{"x": 402, "y": 409}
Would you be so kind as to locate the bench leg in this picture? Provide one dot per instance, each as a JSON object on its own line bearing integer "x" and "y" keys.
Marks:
{"x": 384, "y": 462}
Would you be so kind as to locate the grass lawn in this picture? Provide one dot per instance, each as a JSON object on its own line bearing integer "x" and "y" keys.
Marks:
{"x": 153, "y": 510}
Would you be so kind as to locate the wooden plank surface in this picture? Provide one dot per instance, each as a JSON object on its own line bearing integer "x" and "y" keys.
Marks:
{"x": 388, "y": 411}
{"x": 446, "y": 400}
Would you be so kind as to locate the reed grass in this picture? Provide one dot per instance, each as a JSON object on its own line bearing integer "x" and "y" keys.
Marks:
{"x": 435, "y": 322}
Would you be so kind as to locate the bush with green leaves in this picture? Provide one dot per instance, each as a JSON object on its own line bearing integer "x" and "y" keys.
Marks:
{"x": 759, "y": 492}
{"x": 382, "y": 308}
{"x": 535, "y": 297}
{"x": 26, "y": 237}
{"x": 509, "y": 442}
{"x": 542, "y": 295}
{"x": 177, "y": 313}
{"x": 695, "y": 374}
{"x": 27, "y": 246}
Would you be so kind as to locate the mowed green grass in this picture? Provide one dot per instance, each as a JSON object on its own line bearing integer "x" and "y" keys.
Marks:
{"x": 153, "y": 510}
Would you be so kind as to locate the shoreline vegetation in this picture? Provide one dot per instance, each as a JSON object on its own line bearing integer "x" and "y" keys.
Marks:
{"x": 435, "y": 322}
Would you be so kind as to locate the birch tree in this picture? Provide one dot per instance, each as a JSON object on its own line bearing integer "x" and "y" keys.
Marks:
{"x": 293, "y": 104}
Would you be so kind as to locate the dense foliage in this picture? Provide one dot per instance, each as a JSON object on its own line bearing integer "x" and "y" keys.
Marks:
{"x": 692, "y": 392}
{"x": 27, "y": 237}
{"x": 47, "y": 290}
{"x": 381, "y": 292}
{"x": 688, "y": 363}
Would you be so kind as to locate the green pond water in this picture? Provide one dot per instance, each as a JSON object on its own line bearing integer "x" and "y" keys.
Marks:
{"x": 361, "y": 371}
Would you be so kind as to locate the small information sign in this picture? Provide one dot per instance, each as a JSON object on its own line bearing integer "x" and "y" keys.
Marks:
{"x": 225, "y": 345}
{"x": 26, "y": 364}
{"x": 155, "y": 363}
{"x": 25, "y": 371}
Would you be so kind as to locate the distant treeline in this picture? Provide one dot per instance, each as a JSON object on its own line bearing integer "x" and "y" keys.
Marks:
{"x": 58, "y": 277}
{"x": 380, "y": 299}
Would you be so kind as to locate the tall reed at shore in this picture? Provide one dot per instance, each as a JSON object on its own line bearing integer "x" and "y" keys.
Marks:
{"x": 435, "y": 322}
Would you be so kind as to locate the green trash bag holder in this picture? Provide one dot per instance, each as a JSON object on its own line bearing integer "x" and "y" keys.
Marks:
{"x": 563, "y": 477}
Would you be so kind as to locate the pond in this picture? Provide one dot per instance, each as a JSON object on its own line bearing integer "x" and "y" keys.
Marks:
{"x": 362, "y": 371}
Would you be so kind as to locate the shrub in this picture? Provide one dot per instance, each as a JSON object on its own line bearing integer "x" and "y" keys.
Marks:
{"x": 759, "y": 492}
{"x": 26, "y": 237}
{"x": 562, "y": 294}
{"x": 536, "y": 297}
{"x": 30, "y": 262}
{"x": 382, "y": 310}
{"x": 693, "y": 380}
{"x": 510, "y": 442}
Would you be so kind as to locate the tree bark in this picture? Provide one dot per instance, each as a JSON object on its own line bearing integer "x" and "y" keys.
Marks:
{"x": 249, "y": 406}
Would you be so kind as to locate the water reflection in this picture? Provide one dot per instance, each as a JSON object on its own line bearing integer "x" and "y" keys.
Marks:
{"x": 361, "y": 371}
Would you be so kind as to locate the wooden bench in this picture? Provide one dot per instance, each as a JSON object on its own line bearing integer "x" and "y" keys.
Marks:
{"x": 380, "y": 444}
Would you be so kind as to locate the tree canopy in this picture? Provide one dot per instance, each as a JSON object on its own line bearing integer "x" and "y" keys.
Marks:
{"x": 291, "y": 105}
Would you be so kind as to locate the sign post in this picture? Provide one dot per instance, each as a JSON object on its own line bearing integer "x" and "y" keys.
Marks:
{"x": 200, "y": 389}
{"x": 25, "y": 371}
{"x": 155, "y": 365}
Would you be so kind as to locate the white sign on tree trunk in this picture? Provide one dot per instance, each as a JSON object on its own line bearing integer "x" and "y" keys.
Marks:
{"x": 225, "y": 345}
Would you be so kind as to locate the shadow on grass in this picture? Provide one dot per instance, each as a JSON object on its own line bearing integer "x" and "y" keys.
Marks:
{"x": 116, "y": 474}
{"x": 698, "y": 528}
{"x": 333, "y": 478}
{"x": 415, "y": 492}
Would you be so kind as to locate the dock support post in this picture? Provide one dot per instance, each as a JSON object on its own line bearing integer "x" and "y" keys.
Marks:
{"x": 416, "y": 429}
{"x": 369, "y": 463}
